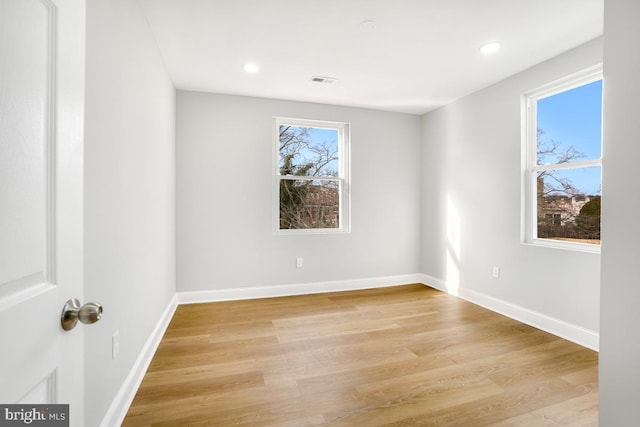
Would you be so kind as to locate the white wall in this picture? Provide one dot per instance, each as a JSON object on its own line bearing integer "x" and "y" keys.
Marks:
{"x": 129, "y": 193}
{"x": 471, "y": 204}
{"x": 620, "y": 290}
{"x": 224, "y": 196}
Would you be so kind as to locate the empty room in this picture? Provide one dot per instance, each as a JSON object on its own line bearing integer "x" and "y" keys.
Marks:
{"x": 296, "y": 213}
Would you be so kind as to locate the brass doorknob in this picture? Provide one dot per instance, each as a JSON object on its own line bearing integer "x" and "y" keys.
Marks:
{"x": 89, "y": 313}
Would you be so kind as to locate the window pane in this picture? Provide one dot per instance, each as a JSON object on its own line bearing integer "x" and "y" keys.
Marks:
{"x": 308, "y": 151}
{"x": 568, "y": 204}
{"x": 306, "y": 204}
{"x": 569, "y": 125}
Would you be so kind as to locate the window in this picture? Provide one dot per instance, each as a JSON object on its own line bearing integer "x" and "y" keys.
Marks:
{"x": 562, "y": 147}
{"x": 311, "y": 183}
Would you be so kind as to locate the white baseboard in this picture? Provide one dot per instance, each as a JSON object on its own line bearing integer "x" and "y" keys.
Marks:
{"x": 294, "y": 289}
{"x": 584, "y": 337}
{"x": 432, "y": 282}
{"x": 120, "y": 405}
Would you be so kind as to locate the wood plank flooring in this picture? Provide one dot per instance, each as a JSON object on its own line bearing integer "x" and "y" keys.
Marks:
{"x": 399, "y": 356}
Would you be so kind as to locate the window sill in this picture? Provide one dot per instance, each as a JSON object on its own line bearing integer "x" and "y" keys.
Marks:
{"x": 570, "y": 246}
{"x": 309, "y": 231}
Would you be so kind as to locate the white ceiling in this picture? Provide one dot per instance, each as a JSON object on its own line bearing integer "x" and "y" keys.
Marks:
{"x": 421, "y": 54}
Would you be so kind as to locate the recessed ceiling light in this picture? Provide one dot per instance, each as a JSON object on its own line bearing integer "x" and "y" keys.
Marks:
{"x": 368, "y": 26}
{"x": 489, "y": 48}
{"x": 251, "y": 68}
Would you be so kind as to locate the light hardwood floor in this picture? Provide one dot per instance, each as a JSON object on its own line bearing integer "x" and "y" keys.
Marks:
{"x": 404, "y": 355}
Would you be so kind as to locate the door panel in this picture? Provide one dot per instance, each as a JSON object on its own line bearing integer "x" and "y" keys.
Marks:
{"x": 41, "y": 131}
{"x": 26, "y": 149}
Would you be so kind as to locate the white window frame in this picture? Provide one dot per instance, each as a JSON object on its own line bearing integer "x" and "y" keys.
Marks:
{"x": 344, "y": 178}
{"x": 529, "y": 157}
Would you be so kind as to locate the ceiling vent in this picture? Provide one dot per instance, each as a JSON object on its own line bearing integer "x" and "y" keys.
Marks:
{"x": 323, "y": 79}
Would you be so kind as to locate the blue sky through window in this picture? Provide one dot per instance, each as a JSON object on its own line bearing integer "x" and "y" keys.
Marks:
{"x": 574, "y": 118}
{"x": 320, "y": 140}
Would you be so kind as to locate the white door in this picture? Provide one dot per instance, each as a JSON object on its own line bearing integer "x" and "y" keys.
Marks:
{"x": 41, "y": 134}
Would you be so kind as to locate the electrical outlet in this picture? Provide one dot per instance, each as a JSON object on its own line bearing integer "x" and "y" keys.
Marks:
{"x": 115, "y": 345}
{"x": 496, "y": 272}
{"x": 299, "y": 262}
